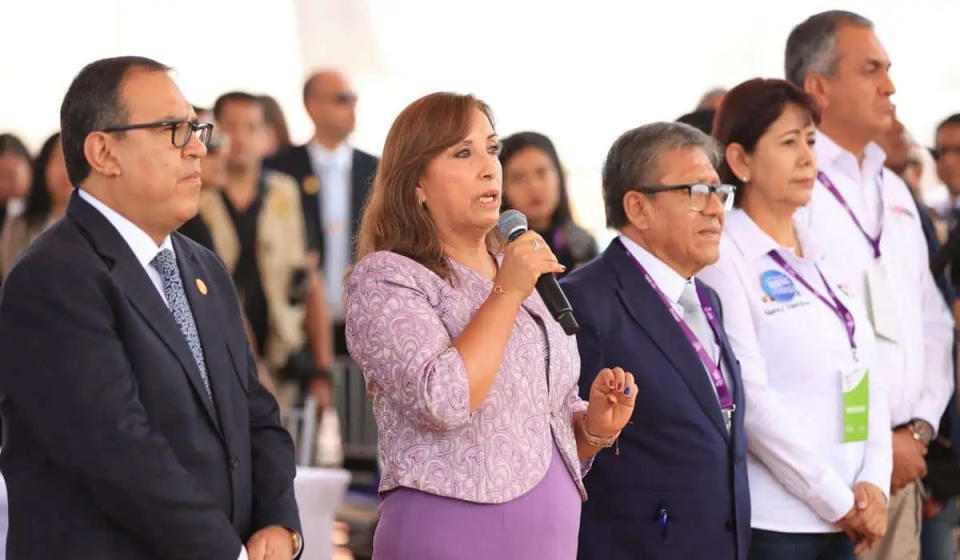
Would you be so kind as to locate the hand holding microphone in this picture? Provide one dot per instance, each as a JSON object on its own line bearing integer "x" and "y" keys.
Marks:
{"x": 529, "y": 262}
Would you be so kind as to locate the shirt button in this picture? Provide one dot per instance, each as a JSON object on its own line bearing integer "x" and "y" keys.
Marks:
{"x": 234, "y": 462}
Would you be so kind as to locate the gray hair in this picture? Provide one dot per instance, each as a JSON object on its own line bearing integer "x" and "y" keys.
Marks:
{"x": 811, "y": 45}
{"x": 634, "y": 161}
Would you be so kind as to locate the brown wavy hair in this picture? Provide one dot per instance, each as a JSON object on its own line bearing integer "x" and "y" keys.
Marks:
{"x": 393, "y": 219}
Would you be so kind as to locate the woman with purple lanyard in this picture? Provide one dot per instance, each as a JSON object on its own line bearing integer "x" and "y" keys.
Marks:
{"x": 483, "y": 439}
{"x": 817, "y": 421}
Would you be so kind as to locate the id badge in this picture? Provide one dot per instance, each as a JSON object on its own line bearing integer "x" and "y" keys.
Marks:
{"x": 883, "y": 314}
{"x": 856, "y": 404}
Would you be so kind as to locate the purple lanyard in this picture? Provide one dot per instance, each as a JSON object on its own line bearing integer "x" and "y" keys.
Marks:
{"x": 719, "y": 383}
{"x": 559, "y": 240}
{"x": 837, "y": 306}
{"x": 874, "y": 242}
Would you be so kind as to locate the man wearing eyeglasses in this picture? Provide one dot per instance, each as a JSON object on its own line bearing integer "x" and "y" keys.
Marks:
{"x": 135, "y": 425}
{"x": 334, "y": 180}
{"x": 675, "y": 486}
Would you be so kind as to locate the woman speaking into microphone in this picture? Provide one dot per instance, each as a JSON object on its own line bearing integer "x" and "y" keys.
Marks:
{"x": 483, "y": 439}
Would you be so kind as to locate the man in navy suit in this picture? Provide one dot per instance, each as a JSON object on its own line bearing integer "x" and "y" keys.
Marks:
{"x": 135, "y": 427}
{"x": 677, "y": 486}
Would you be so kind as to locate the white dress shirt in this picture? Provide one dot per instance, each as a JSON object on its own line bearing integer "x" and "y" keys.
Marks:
{"x": 671, "y": 283}
{"x": 918, "y": 368}
{"x": 333, "y": 169}
{"x": 144, "y": 249}
{"x": 792, "y": 351}
{"x": 143, "y": 246}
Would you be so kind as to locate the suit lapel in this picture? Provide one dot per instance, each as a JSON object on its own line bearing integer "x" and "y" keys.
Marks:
{"x": 310, "y": 186}
{"x": 206, "y": 315}
{"x": 139, "y": 290}
{"x": 648, "y": 310}
{"x": 360, "y": 177}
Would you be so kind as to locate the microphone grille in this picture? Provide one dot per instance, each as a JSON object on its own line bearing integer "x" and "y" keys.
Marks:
{"x": 511, "y": 222}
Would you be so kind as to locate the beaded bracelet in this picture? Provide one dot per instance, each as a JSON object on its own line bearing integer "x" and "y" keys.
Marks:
{"x": 594, "y": 440}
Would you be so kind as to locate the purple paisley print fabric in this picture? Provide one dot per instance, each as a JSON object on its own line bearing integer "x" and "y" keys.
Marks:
{"x": 401, "y": 321}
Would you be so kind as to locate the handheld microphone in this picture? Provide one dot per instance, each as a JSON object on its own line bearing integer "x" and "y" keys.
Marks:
{"x": 512, "y": 225}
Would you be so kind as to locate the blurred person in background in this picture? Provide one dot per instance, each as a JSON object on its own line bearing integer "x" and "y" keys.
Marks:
{"x": 701, "y": 119}
{"x": 711, "y": 99}
{"x": 899, "y": 146}
{"x": 334, "y": 179}
{"x": 278, "y": 133}
{"x": 535, "y": 184}
{"x": 257, "y": 229}
{"x": 15, "y": 175}
{"x": 45, "y": 204}
{"x": 946, "y": 151}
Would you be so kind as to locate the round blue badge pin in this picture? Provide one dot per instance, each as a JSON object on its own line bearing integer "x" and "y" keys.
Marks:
{"x": 778, "y": 285}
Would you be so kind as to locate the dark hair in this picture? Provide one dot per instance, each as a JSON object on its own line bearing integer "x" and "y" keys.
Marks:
{"x": 747, "y": 112}
{"x": 811, "y": 44}
{"x": 701, "y": 119}
{"x": 951, "y": 120}
{"x": 516, "y": 142}
{"x": 38, "y": 203}
{"x": 634, "y": 161}
{"x": 236, "y": 96}
{"x": 93, "y": 103}
{"x": 11, "y": 144}
{"x": 276, "y": 119}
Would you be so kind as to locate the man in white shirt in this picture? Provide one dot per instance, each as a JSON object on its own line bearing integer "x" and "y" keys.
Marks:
{"x": 135, "y": 425}
{"x": 874, "y": 233}
{"x": 334, "y": 180}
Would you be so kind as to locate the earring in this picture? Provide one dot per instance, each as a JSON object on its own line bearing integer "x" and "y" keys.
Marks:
{"x": 422, "y": 202}
{"x": 745, "y": 179}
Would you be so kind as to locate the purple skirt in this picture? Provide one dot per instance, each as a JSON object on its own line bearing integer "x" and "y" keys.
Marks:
{"x": 540, "y": 525}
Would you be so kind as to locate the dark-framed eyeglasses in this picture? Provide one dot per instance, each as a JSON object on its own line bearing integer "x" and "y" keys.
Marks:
{"x": 180, "y": 130}
{"x": 699, "y": 194}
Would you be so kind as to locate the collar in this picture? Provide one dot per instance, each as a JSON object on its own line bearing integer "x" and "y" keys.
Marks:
{"x": 142, "y": 245}
{"x": 831, "y": 156}
{"x": 668, "y": 280}
{"x": 755, "y": 243}
{"x": 339, "y": 157}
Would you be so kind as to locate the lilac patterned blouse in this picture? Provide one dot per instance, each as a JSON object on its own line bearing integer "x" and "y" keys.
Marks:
{"x": 401, "y": 321}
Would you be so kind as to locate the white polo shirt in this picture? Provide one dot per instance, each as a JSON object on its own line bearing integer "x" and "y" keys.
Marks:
{"x": 919, "y": 366}
{"x": 792, "y": 350}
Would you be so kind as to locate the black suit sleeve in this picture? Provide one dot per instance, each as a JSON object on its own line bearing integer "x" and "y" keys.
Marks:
{"x": 273, "y": 459}
{"x": 67, "y": 376}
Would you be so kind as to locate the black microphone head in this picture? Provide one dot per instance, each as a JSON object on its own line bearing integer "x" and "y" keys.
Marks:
{"x": 512, "y": 223}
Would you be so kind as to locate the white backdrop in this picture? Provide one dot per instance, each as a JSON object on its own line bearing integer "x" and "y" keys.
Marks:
{"x": 581, "y": 72}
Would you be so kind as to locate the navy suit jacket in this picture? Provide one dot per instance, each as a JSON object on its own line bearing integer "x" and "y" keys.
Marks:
{"x": 295, "y": 162}
{"x": 676, "y": 454}
{"x": 112, "y": 448}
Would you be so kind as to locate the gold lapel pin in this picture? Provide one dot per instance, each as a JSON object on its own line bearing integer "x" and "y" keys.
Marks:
{"x": 311, "y": 185}
{"x": 201, "y": 286}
